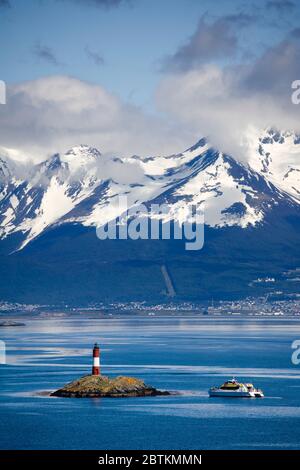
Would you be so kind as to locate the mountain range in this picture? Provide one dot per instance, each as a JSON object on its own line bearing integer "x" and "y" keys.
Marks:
{"x": 49, "y": 213}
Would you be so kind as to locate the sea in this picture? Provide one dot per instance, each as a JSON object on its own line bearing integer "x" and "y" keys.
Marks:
{"x": 183, "y": 354}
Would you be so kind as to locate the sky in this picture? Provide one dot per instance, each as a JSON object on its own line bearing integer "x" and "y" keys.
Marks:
{"x": 145, "y": 76}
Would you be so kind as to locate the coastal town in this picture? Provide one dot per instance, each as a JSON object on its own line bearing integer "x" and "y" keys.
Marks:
{"x": 255, "y": 307}
{"x": 275, "y": 297}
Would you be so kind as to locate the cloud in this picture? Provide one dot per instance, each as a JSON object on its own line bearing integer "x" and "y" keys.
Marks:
{"x": 108, "y": 167}
{"x": 211, "y": 41}
{"x": 5, "y": 3}
{"x": 107, "y": 4}
{"x": 45, "y": 53}
{"x": 94, "y": 56}
{"x": 55, "y": 113}
{"x": 227, "y": 102}
{"x": 281, "y": 6}
{"x": 275, "y": 70}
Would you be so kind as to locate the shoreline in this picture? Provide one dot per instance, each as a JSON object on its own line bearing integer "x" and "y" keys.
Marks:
{"x": 59, "y": 315}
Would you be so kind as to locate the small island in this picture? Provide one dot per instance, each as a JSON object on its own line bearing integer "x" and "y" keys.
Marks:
{"x": 7, "y": 323}
{"x": 97, "y": 385}
{"x": 100, "y": 386}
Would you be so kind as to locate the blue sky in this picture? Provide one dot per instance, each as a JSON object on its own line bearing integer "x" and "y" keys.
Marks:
{"x": 141, "y": 51}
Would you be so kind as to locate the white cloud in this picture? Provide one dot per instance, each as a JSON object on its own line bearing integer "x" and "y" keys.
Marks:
{"x": 53, "y": 114}
{"x": 225, "y": 103}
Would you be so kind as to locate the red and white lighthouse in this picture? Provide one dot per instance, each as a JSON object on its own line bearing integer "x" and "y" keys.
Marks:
{"x": 96, "y": 360}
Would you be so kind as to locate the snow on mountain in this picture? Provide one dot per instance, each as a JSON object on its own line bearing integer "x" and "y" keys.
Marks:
{"x": 277, "y": 156}
{"x": 4, "y": 171}
{"x": 228, "y": 192}
{"x": 82, "y": 186}
{"x": 159, "y": 174}
{"x": 51, "y": 189}
{"x": 80, "y": 157}
{"x": 5, "y": 176}
{"x": 223, "y": 196}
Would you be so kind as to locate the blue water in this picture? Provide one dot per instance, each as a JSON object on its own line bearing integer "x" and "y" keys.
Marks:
{"x": 183, "y": 354}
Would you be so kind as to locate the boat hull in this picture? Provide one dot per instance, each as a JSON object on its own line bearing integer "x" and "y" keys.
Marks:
{"x": 231, "y": 394}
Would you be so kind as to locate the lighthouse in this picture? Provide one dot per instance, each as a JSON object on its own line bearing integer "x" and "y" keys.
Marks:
{"x": 96, "y": 360}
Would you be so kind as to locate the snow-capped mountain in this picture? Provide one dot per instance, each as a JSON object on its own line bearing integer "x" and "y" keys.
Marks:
{"x": 81, "y": 186}
{"x": 48, "y": 214}
{"x": 46, "y": 193}
{"x": 277, "y": 156}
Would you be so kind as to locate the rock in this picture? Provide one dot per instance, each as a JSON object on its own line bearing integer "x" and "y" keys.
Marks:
{"x": 92, "y": 386}
{"x": 11, "y": 323}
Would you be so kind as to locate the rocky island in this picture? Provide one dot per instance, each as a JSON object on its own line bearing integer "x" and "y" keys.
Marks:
{"x": 6, "y": 323}
{"x": 97, "y": 386}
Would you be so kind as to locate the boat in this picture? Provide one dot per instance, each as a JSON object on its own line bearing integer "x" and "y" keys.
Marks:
{"x": 258, "y": 393}
{"x": 234, "y": 389}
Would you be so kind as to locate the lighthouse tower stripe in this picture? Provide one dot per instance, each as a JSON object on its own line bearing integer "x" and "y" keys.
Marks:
{"x": 96, "y": 361}
{"x": 96, "y": 351}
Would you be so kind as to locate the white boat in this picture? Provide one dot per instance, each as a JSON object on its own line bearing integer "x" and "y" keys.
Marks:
{"x": 234, "y": 389}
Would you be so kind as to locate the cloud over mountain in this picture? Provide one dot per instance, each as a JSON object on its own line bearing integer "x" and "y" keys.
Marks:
{"x": 226, "y": 101}
{"x": 55, "y": 113}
